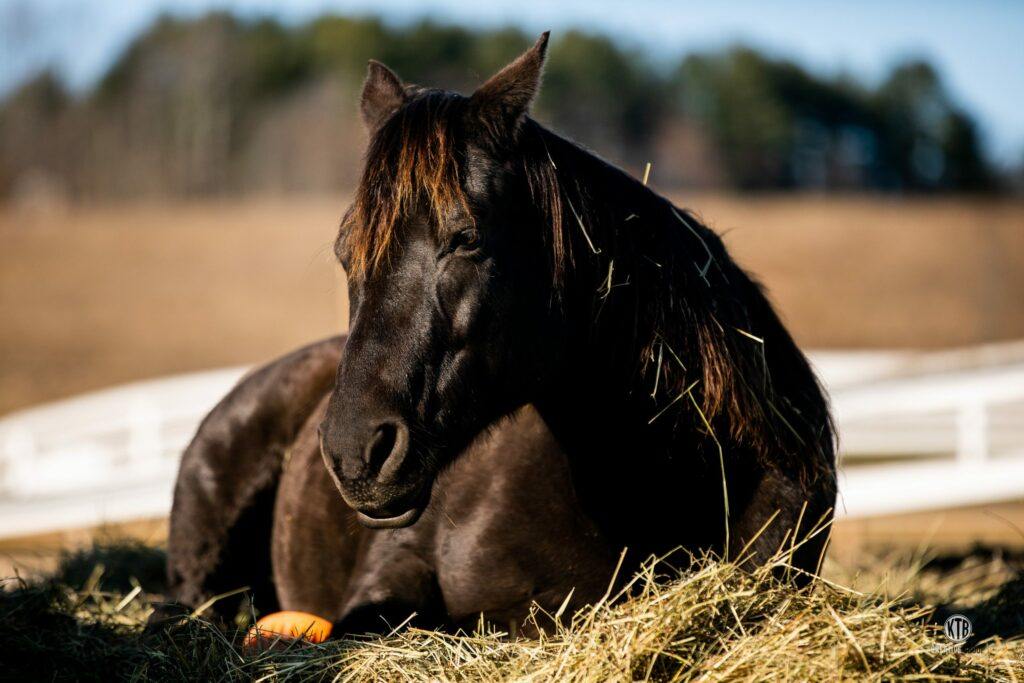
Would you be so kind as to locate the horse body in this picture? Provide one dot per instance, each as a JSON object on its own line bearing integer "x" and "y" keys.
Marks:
{"x": 503, "y": 530}
{"x": 547, "y": 364}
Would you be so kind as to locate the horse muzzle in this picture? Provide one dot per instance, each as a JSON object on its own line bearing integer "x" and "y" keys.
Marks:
{"x": 374, "y": 474}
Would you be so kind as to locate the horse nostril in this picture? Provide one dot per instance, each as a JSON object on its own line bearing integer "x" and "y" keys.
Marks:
{"x": 381, "y": 444}
{"x": 386, "y": 450}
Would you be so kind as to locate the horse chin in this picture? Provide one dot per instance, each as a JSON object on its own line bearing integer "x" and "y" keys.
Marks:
{"x": 407, "y": 518}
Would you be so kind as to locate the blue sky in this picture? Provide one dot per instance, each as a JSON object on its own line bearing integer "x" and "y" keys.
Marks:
{"x": 978, "y": 46}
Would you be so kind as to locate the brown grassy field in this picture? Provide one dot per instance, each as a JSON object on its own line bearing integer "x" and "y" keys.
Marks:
{"x": 92, "y": 296}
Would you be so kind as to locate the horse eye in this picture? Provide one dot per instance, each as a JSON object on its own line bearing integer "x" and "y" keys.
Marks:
{"x": 465, "y": 239}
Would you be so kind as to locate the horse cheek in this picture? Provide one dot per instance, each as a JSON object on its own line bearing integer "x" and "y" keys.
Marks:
{"x": 459, "y": 295}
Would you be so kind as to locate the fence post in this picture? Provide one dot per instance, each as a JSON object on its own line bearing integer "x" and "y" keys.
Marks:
{"x": 972, "y": 432}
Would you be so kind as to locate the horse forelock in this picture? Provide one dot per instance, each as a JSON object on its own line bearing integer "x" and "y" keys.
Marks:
{"x": 413, "y": 157}
{"x": 416, "y": 156}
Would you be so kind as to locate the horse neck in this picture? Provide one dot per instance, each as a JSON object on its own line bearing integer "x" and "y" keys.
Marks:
{"x": 649, "y": 283}
{"x": 600, "y": 403}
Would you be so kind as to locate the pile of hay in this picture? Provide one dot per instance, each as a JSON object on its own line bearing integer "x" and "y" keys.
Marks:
{"x": 715, "y": 622}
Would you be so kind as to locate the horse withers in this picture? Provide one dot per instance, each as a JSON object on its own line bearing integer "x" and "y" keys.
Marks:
{"x": 547, "y": 363}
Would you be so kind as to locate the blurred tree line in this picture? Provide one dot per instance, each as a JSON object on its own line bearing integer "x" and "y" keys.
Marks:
{"x": 218, "y": 105}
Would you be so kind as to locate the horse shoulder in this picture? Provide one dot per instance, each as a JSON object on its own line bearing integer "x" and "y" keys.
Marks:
{"x": 510, "y": 530}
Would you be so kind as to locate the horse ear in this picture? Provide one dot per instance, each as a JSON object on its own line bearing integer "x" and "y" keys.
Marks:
{"x": 383, "y": 94}
{"x": 501, "y": 103}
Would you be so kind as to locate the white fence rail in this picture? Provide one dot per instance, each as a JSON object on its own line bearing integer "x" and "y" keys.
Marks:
{"x": 933, "y": 441}
{"x": 106, "y": 457}
{"x": 917, "y": 431}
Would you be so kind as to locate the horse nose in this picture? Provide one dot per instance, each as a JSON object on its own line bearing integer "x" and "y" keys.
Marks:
{"x": 386, "y": 450}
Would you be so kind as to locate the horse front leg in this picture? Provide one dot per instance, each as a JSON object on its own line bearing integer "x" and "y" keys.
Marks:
{"x": 394, "y": 583}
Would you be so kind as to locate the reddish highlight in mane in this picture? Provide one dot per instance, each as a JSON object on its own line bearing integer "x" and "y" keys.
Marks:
{"x": 412, "y": 158}
{"x": 415, "y": 157}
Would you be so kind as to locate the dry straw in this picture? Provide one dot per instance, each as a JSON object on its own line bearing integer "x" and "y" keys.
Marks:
{"x": 715, "y": 622}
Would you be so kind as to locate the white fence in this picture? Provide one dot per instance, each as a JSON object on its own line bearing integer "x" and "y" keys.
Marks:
{"x": 109, "y": 456}
{"x": 917, "y": 431}
{"x": 932, "y": 440}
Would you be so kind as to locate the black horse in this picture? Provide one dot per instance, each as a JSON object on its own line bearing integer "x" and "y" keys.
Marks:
{"x": 547, "y": 363}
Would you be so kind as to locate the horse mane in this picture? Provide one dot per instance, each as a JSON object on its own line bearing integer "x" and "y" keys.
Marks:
{"x": 704, "y": 337}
